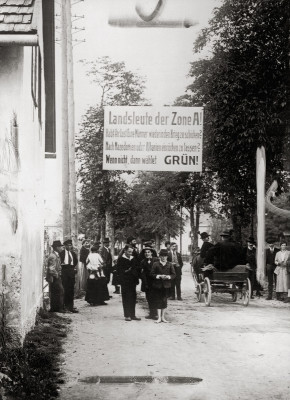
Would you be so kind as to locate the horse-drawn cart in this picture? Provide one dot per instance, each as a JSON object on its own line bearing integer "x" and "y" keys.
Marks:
{"x": 234, "y": 282}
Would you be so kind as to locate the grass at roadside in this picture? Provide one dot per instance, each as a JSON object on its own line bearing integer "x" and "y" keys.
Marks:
{"x": 33, "y": 370}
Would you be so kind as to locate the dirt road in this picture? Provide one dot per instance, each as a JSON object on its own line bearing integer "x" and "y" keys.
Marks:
{"x": 237, "y": 352}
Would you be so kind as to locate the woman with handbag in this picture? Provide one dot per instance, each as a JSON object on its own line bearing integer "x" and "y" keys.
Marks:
{"x": 282, "y": 260}
{"x": 162, "y": 272}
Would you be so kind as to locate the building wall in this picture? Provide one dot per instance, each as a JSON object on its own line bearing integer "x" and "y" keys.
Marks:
{"x": 21, "y": 189}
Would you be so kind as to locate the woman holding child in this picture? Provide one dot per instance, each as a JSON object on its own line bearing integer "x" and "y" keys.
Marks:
{"x": 97, "y": 291}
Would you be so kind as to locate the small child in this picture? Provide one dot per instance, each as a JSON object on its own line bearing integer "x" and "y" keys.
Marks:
{"x": 95, "y": 264}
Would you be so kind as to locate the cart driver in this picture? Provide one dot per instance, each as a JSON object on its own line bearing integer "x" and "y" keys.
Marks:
{"x": 223, "y": 256}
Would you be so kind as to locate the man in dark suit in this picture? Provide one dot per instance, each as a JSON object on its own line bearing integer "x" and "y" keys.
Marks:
{"x": 69, "y": 261}
{"x": 224, "y": 255}
{"x": 175, "y": 258}
{"x": 270, "y": 266}
{"x": 107, "y": 259}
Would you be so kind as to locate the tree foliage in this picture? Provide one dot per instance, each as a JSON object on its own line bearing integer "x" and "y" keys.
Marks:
{"x": 151, "y": 209}
{"x": 117, "y": 85}
{"x": 102, "y": 190}
{"x": 244, "y": 88}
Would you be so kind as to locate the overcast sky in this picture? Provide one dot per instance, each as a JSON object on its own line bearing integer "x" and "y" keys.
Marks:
{"x": 162, "y": 55}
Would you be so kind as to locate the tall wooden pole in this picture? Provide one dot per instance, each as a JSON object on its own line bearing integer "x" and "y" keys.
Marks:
{"x": 260, "y": 179}
{"x": 180, "y": 243}
{"x": 71, "y": 127}
{"x": 66, "y": 208}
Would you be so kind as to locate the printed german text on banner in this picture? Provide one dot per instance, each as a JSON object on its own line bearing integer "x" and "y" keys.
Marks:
{"x": 153, "y": 138}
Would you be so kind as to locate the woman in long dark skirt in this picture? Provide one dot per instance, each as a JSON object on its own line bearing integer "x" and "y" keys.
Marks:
{"x": 97, "y": 290}
{"x": 162, "y": 272}
{"x": 147, "y": 280}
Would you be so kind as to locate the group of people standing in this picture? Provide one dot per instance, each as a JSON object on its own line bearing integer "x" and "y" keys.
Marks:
{"x": 60, "y": 275}
{"x": 227, "y": 254}
{"x": 160, "y": 276}
{"x": 98, "y": 266}
{"x": 278, "y": 271}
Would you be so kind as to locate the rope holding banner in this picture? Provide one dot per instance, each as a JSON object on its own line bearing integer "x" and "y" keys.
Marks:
{"x": 140, "y": 11}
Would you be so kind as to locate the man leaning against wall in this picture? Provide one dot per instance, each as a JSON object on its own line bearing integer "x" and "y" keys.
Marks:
{"x": 53, "y": 277}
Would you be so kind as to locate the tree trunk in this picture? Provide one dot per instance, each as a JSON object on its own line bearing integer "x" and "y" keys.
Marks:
{"x": 192, "y": 228}
{"x": 157, "y": 239}
{"x": 196, "y": 227}
{"x": 237, "y": 227}
{"x": 103, "y": 229}
{"x": 110, "y": 228}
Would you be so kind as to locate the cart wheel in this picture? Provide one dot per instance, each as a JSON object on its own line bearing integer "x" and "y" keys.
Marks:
{"x": 198, "y": 291}
{"x": 196, "y": 285}
{"x": 207, "y": 292}
{"x": 246, "y": 292}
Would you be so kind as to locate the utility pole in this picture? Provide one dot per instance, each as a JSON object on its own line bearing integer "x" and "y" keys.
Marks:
{"x": 71, "y": 127}
{"x": 181, "y": 229}
{"x": 66, "y": 206}
{"x": 70, "y": 223}
{"x": 260, "y": 179}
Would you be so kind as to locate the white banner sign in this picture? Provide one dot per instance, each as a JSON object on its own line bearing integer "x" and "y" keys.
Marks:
{"x": 153, "y": 138}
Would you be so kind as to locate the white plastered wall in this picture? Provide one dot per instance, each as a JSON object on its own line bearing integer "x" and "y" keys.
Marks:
{"x": 21, "y": 188}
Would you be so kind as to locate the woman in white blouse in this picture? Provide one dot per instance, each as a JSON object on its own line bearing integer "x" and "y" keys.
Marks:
{"x": 281, "y": 271}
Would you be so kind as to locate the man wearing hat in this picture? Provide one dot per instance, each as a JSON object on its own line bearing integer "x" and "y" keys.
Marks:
{"x": 175, "y": 258}
{"x": 69, "y": 261}
{"x": 206, "y": 244}
{"x": 270, "y": 266}
{"x": 106, "y": 255}
{"x": 225, "y": 254}
{"x": 53, "y": 277}
{"x": 251, "y": 261}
